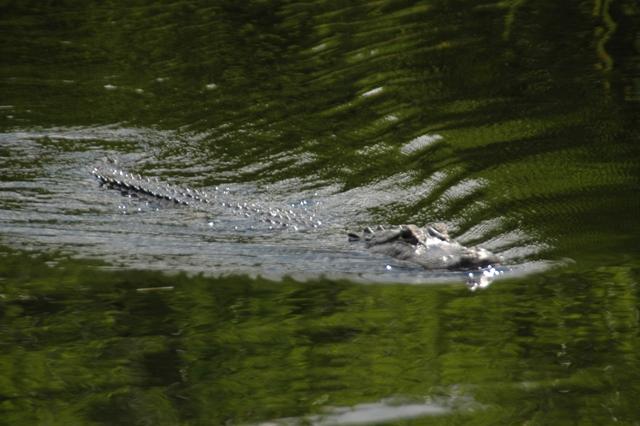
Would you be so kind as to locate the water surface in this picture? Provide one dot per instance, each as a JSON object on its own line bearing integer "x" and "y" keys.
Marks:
{"x": 515, "y": 123}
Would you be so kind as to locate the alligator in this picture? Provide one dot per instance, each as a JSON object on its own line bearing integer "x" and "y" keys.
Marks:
{"x": 429, "y": 246}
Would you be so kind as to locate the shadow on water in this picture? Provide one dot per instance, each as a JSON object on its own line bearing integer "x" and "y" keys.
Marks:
{"x": 515, "y": 123}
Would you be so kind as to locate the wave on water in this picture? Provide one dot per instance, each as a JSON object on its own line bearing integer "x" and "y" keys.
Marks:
{"x": 247, "y": 228}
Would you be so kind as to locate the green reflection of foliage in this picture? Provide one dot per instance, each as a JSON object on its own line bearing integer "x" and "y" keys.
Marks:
{"x": 83, "y": 346}
{"x": 280, "y": 76}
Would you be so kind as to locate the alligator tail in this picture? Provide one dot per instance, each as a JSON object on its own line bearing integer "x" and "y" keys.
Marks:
{"x": 111, "y": 176}
{"x": 136, "y": 184}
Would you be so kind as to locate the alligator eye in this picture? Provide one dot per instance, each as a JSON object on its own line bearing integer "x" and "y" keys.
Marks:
{"x": 408, "y": 236}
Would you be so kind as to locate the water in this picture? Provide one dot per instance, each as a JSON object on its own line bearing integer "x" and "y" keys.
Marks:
{"x": 515, "y": 123}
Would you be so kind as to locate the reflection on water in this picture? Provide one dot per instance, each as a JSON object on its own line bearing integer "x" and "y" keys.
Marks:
{"x": 85, "y": 347}
{"x": 375, "y": 413}
{"x": 515, "y": 123}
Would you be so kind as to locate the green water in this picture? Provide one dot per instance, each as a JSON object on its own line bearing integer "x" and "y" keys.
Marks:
{"x": 516, "y": 123}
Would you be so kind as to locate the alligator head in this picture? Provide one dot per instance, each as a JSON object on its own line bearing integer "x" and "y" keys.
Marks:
{"x": 429, "y": 247}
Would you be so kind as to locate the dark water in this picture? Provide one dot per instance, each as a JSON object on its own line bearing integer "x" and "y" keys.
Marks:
{"x": 516, "y": 123}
